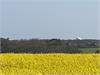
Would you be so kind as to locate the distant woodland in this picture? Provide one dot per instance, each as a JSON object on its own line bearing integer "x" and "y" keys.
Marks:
{"x": 49, "y": 46}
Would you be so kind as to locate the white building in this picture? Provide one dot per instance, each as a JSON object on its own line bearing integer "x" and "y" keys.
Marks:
{"x": 79, "y": 38}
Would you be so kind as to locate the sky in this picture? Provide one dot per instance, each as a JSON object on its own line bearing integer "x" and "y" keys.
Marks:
{"x": 65, "y": 19}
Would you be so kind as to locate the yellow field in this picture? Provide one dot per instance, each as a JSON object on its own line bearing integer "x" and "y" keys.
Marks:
{"x": 53, "y": 64}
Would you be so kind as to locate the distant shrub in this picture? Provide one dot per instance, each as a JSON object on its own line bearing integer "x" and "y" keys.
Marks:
{"x": 98, "y": 51}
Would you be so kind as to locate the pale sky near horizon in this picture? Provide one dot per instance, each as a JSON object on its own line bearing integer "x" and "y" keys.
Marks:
{"x": 65, "y": 19}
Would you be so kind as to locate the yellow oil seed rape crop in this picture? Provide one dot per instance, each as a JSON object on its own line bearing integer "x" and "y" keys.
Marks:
{"x": 43, "y": 64}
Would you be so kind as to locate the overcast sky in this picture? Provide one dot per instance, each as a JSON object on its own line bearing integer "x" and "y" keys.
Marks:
{"x": 64, "y": 19}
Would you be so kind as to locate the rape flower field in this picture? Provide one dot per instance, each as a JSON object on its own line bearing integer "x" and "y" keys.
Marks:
{"x": 49, "y": 64}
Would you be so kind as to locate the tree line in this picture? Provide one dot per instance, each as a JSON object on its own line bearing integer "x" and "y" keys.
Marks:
{"x": 46, "y": 45}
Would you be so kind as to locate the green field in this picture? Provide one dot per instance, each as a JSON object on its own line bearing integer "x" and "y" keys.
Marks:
{"x": 89, "y": 50}
{"x": 49, "y": 64}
